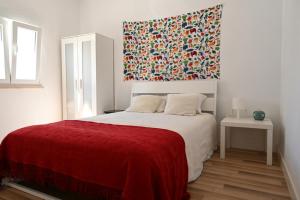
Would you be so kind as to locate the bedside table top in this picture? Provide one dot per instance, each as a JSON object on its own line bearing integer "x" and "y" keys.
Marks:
{"x": 247, "y": 123}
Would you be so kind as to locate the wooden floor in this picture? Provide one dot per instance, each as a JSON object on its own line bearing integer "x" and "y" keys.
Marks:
{"x": 243, "y": 175}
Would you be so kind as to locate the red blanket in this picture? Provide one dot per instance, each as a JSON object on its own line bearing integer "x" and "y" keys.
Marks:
{"x": 111, "y": 161}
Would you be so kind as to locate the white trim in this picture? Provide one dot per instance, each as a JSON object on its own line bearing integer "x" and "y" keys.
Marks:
{"x": 20, "y": 86}
{"x": 28, "y": 190}
{"x": 15, "y": 26}
{"x": 290, "y": 182}
{"x": 207, "y": 87}
{"x": 85, "y": 34}
{"x": 3, "y": 23}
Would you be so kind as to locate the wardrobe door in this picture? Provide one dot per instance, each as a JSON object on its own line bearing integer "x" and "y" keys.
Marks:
{"x": 70, "y": 78}
{"x": 87, "y": 75}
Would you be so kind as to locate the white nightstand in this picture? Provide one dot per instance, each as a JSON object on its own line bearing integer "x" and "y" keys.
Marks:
{"x": 248, "y": 123}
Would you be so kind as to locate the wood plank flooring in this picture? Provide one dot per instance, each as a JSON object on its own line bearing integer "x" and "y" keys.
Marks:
{"x": 242, "y": 175}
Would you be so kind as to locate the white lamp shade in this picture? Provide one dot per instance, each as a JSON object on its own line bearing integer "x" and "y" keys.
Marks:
{"x": 238, "y": 104}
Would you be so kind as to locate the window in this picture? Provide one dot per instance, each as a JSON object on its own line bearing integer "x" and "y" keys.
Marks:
{"x": 25, "y": 56}
{"x": 2, "y": 57}
{"x": 4, "y": 65}
{"x": 25, "y": 52}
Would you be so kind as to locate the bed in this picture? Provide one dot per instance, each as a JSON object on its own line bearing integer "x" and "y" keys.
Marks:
{"x": 198, "y": 132}
{"x": 123, "y": 155}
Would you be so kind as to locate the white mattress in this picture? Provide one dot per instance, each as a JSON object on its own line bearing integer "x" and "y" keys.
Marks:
{"x": 198, "y": 132}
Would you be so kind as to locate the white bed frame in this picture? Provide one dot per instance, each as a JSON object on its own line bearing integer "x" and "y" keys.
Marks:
{"x": 206, "y": 87}
{"x": 12, "y": 183}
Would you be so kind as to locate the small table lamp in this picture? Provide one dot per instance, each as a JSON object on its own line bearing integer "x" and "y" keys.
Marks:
{"x": 238, "y": 105}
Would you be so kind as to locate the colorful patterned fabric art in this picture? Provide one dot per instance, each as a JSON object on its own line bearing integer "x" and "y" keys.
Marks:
{"x": 184, "y": 47}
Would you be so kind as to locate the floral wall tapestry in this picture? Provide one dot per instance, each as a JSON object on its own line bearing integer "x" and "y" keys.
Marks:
{"x": 184, "y": 47}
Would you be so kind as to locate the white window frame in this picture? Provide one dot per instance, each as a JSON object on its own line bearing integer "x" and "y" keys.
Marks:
{"x": 3, "y": 24}
{"x": 15, "y": 26}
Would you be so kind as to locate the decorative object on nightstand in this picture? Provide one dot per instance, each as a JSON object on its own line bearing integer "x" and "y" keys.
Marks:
{"x": 112, "y": 111}
{"x": 259, "y": 115}
{"x": 247, "y": 123}
{"x": 238, "y": 105}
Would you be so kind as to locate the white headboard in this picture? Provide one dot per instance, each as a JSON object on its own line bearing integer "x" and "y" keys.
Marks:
{"x": 207, "y": 87}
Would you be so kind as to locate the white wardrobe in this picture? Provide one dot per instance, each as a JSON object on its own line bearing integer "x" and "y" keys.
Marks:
{"x": 87, "y": 75}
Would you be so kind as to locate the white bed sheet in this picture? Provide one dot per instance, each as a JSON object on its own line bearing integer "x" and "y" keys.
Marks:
{"x": 198, "y": 132}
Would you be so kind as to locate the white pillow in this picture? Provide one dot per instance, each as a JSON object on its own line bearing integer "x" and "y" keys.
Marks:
{"x": 201, "y": 100}
{"x": 182, "y": 104}
{"x": 162, "y": 106}
{"x": 145, "y": 103}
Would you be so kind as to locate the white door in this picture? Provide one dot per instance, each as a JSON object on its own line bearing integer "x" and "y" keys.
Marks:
{"x": 87, "y": 75}
{"x": 70, "y": 79}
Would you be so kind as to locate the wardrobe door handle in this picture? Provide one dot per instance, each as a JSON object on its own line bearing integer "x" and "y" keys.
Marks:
{"x": 81, "y": 84}
{"x": 76, "y": 84}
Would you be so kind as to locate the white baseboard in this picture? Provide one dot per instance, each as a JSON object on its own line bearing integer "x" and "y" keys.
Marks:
{"x": 291, "y": 184}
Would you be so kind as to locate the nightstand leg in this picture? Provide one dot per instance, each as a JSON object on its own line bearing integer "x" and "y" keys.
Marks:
{"x": 266, "y": 142}
{"x": 269, "y": 146}
{"x": 228, "y": 138}
{"x": 222, "y": 142}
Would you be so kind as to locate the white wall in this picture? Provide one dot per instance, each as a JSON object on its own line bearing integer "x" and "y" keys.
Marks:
{"x": 251, "y": 49}
{"x": 250, "y": 63}
{"x": 290, "y": 91}
{"x": 57, "y": 18}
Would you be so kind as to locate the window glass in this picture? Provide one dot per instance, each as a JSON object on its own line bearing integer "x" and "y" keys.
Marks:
{"x": 2, "y": 57}
{"x": 26, "y": 54}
